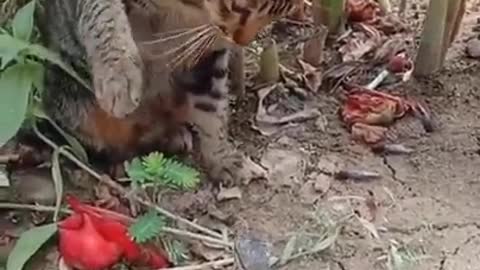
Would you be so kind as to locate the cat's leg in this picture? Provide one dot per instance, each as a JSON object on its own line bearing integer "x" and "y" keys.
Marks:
{"x": 210, "y": 115}
{"x": 105, "y": 32}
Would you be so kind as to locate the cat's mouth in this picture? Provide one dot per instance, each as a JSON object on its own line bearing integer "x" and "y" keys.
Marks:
{"x": 237, "y": 37}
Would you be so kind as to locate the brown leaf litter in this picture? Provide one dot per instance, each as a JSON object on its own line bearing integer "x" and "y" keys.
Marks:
{"x": 369, "y": 113}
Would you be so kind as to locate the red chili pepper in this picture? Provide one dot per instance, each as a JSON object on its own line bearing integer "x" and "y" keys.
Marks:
{"x": 90, "y": 240}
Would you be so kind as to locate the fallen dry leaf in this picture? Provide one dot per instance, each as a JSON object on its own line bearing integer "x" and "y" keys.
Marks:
{"x": 207, "y": 253}
{"x": 362, "y": 11}
{"x": 373, "y": 108}
{"x": 391, "y": 47}
{"x": 390, "y": 24}
{"x": 268, "y": 124}
{"x": 218, "y": 214}
{"x": 311, "y": 76}
{"x": 229, "y": 194}
{"x": 368, "y": 133}
{"x": 369, "y": 113}
{"x": 357, "y": 47}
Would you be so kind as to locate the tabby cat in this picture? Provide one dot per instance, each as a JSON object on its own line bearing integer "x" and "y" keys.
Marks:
{"x": 147, "y": 94}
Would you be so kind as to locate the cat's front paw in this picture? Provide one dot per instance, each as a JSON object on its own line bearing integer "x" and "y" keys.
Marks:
{"x": 236, "y": 169}
{"x": 180, "y": 142}
{"x": 119, "y": 84}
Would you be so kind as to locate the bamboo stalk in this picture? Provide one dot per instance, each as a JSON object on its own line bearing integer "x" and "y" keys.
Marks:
{"x": 429, "y": 57}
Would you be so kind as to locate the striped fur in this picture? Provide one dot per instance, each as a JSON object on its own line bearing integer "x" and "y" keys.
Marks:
{"x": 139, "y": 103}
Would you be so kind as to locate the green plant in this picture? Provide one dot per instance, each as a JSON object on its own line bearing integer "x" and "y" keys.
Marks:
{"x": 147, "y": 227}
{"x": 22, "y": 71}
{"x": 330, "y": 13}
{"x": 439, "y": 31}
{"x": 157, "y": 170}
{"x": 28, "y": 244}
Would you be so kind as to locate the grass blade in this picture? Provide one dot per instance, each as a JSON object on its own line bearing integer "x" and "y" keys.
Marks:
{"x": 28, "y": 244}
{"x": 57, "y": 181}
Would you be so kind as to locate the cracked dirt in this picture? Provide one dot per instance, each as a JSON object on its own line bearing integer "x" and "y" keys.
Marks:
{"x": 428, "y": 200}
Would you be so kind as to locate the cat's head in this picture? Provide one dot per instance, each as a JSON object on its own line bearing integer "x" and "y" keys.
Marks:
{"x": 240, "y": 20}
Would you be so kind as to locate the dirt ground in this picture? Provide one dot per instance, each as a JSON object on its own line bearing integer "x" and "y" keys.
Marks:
{"x": 426, "y": 202}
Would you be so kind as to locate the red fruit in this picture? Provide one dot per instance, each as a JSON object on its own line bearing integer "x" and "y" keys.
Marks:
{"x": 91, "y": 240}
{"x": 399, "y": 63}
{"x": 154, "y": 258}
{"x": 82, "y": 247}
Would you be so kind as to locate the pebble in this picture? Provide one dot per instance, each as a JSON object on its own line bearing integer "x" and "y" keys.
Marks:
{"x": 473, "y": 48}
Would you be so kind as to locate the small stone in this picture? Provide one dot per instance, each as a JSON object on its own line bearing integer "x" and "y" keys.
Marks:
{"x": 329, "y": 163}
{"x": 307, "y": 193}
{"x": 286, "y": 167}
{"x": 473, "y": 48}
{"x": 322, "y": 183}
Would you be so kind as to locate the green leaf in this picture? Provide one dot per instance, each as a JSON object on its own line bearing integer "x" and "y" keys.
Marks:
{"x": 22, "y": 23}
{"x": 57, "y": 181}
{"x": 28, "y": 244}
{"x": 10, "y": 47}
{"x": 147, "y": 227}
{"x": 161, "y": 171}
{"x": 179, "y": 175}
{"x": 154, "y": 163}
{"x": 15, "y": 85}
{"x": 136, "y": 171}
{"x": 38, "y": 75}
{"x": 43, "y": 53}
{"x": 289, "y": 250}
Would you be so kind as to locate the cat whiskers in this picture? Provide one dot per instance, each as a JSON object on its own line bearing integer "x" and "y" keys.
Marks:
{"x": 185, "y": 45}
{"x": 205, "y": 46}
{"x": 197, "y": 44}
{"x": 176, "y": 34}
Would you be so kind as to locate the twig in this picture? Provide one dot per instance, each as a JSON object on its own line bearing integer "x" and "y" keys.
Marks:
{"x": 33, "y": 207}
{"x": 402, "y": 8}
{"x": 9, "y": 158}
{"x": 378, "y": 80}
{"x": 208, "y": 265}
{"x": 197, "y": 236}
{"x": 108, "y": 181}
{"x": 44, "y": 208}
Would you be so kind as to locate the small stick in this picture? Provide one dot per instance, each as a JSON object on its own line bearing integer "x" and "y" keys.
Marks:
{"x": 209, "y": 265}
{"x": 32, "y": 207}
{"x": 44, "y": 208}
{"x": 9, "y": 158}
{"x": 402, "y": 8}
{"x": 120, "y": 189}
{"x": 378, "y": 80}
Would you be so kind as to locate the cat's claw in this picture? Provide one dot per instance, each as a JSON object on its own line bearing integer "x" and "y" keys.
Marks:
{"x": 119, "y": 84}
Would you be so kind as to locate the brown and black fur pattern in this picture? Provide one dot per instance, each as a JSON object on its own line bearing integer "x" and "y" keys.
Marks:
{"x": 139, "y": 104}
